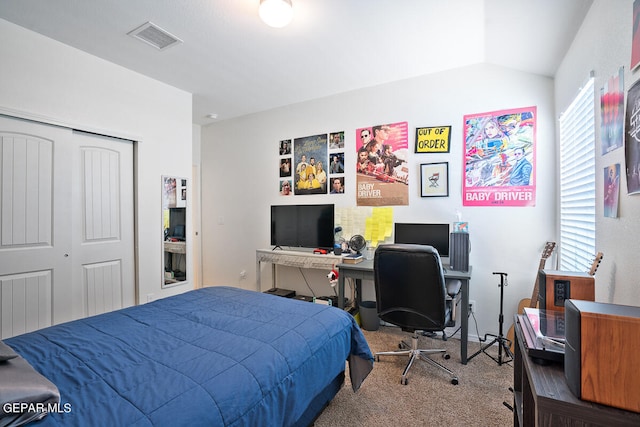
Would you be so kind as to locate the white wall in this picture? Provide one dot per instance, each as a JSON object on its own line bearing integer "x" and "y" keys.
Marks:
{"x": 240, "y": 179}
{"x": 602, "y": 45}
{"x": 42, "y": 77}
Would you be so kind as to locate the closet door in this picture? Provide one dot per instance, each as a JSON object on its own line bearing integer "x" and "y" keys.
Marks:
{"x": 66, "y": 225}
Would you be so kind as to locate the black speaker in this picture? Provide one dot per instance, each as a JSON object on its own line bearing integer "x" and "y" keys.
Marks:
{"x": 459, "y": 251}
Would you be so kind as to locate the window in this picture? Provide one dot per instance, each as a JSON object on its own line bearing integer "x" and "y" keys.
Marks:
{"x": 578, "y": 182}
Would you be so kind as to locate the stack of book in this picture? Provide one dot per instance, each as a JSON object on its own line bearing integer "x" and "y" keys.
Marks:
{"x": 352, "y": 258}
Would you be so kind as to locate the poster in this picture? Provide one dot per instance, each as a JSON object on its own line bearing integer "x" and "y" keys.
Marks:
{"x": 382, "y": 172}
{"x": 635, "y": 36}
{"x": 632, "y": 139}
{"x": 611, "y": 190}
{"x": 611, "y": 111}
{"x": 433, "y": 139}
{"x": 500, "y": 158}
{"x": 310, "y": 157}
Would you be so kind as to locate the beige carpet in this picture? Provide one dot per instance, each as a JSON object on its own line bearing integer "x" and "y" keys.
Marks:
{"x": 429, "y": 399}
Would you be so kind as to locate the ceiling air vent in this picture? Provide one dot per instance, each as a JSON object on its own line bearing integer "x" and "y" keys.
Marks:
{"x": 155, "y": 36}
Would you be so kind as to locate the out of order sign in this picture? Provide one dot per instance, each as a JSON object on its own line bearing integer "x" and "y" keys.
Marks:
{"x": 433, "y": 139}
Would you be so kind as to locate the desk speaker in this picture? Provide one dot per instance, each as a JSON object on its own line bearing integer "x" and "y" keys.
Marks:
{"x": 558, "y": 286}
{"x": 601, "y": 362}
{"x": 459, "y": 251}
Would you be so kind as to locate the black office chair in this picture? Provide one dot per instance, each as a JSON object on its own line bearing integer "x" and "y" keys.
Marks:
{"x": 411, "y": 293}
{"x": 453, "y": 287}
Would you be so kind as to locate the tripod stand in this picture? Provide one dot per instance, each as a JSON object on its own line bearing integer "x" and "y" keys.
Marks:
{"x": 503, "y": 343}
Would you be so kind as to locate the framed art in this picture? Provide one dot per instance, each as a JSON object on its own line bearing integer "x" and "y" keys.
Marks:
{"x": 433, "y": 139}
{"x": 434, "y": 179}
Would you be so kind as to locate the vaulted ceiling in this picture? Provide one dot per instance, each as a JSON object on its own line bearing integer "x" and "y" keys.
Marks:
{"x": 234, "y": 64}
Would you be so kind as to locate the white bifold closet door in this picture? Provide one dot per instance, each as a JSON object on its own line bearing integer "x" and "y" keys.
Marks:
{"x": 66, "y": 225}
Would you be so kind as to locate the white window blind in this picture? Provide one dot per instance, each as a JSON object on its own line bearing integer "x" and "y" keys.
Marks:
{"x": 577, "y": 182}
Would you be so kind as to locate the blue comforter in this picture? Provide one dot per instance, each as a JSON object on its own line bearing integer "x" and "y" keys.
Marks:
{"x": 214, "y": 356}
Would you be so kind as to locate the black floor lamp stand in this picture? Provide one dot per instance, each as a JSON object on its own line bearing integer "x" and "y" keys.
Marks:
{"x": 503, "y": 343}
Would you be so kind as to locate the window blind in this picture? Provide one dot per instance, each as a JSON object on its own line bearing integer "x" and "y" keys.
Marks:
{"x": 577, "y": 182}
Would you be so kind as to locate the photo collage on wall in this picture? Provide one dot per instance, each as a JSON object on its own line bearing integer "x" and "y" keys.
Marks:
{"x": 285, "y": 183}
{"x": 336, "y": 163}
{"x": 612, "y": 137}
{"x": 312, "y": 165}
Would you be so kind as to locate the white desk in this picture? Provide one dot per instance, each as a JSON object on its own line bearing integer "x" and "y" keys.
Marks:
{"x": 292, "y": 259}
{"x": 358, "y": 272}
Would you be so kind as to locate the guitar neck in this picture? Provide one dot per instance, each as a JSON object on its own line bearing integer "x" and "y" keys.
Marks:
{"x": 546, "y": 253}
{"x": 533, "y": 303}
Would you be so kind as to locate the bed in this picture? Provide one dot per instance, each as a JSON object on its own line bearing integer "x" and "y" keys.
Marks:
{"x": 213, "y": 356}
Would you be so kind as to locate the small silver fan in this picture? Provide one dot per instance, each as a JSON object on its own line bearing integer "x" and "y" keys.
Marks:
{"x": 357, "y": 243}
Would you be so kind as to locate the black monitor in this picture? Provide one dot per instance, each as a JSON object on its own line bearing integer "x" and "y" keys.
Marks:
{"x": 177, "y": 223}
{"x": 305, "y": 226}
{"x": 436, "y": 235}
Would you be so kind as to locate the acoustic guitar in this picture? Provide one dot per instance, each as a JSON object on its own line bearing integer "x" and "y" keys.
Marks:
{"x": 533, "y": 301}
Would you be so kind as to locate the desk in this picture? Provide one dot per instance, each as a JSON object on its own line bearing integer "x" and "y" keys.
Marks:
{"x": 171, "y": 248}
{"x": 542, "y": 396}
{"x": 293, "y": 259}
{"x": 364, "y": 271}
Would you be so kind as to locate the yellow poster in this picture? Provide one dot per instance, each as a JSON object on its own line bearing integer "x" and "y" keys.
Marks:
{"x": 433, "y": 139}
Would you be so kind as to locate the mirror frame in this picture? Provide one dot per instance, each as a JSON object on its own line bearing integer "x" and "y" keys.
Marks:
{"x": 174, "y": 236}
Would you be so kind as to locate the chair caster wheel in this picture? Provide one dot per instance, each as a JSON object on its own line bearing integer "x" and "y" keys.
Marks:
{"x": 404, "y": 381}
{"x": 446, "y": 356}
{"x": 377, "y": 358}
{"x": 454, "y": 381}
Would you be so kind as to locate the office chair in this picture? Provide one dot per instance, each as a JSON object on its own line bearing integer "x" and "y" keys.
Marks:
{"x": 411, "y": 294}
{"x": 454, "y": 297}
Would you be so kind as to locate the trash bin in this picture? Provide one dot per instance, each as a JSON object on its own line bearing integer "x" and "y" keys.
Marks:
{"x": 369, "y": 316}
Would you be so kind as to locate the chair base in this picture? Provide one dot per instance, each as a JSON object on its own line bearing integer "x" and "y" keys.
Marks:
{"x": 414, "y": 352}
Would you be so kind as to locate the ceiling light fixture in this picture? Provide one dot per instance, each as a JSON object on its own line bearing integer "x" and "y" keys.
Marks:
{"x": 276, "y": 13}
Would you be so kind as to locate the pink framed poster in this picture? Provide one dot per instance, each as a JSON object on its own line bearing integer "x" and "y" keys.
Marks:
{"x": 500, "y": 158}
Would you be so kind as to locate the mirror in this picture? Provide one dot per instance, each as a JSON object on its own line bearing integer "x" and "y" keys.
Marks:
{"x": 174, "y": 230}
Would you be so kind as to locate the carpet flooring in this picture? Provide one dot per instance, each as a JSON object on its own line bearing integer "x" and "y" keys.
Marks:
{"x": 429, "y": 399}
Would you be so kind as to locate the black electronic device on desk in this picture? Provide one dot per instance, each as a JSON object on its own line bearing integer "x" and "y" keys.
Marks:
{"x": 286, "y": 293}
{"x": 306, "y": 298}
{"x": 331, "y": 300}
{"x": 544, "y": 334}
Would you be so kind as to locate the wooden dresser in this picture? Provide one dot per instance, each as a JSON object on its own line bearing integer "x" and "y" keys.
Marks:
{"x": 542, "y": 397}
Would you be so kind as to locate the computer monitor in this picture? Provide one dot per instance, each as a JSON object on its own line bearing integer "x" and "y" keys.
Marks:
{"x": 436, "y": 235}
{"x": 177, "y": 223}
{"x": 306, "y": 226}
